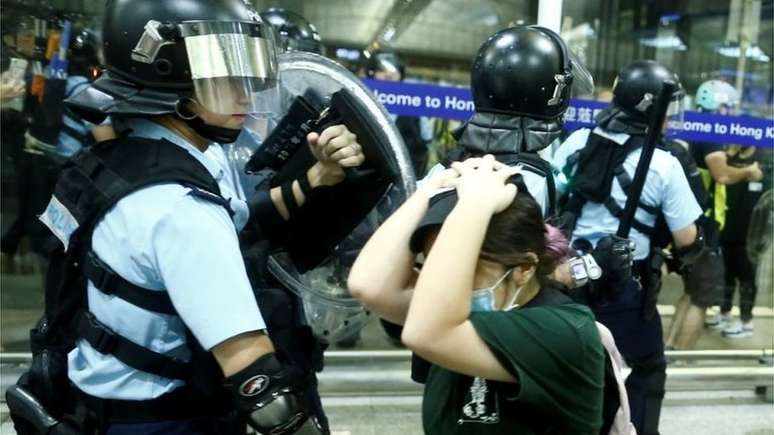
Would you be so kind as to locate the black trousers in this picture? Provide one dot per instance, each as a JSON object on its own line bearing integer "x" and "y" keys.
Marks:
{"x": 641, "y": 343}
{"x": 739, "y": 270}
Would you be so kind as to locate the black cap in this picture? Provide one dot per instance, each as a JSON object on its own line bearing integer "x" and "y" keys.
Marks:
{"x": 441, "y": 205}
{"x": 84, "y": 52}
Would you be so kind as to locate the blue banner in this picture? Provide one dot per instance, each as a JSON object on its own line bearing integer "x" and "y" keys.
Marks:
{"x": 414, "y": 99}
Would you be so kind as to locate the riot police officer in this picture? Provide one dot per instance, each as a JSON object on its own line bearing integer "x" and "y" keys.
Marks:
{"x": 522, "y": 81}
{"x": 520, "y": 102}
{"x": 295, "y": 32}
{"x": 600, "y": 164}
{"x": 149, "y": 282}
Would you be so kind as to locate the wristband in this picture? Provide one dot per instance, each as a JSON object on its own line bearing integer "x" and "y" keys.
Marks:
{"x": 306, "y": 187}
{"x": 289, "y": 198}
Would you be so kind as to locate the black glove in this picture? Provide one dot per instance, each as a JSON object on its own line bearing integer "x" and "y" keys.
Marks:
{"x": 615, "y": 255}
{"x": 268, "y": 394}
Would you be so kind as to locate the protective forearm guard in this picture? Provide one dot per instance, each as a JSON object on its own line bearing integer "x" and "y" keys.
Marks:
{"x": 268, "y": 395}
{"x": 683, "y": 259}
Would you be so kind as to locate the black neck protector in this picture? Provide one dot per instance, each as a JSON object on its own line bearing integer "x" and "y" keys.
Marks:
{"x": 496, "y": 133}
{"x": 614, "y": 119}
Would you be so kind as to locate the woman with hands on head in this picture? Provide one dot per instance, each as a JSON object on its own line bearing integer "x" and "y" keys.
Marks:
{"x": 510, "y": 352}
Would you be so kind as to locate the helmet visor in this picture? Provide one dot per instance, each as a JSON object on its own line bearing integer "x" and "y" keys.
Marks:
{"x": 582, "y": 81}
{"x": 233, "y": 65}
{"x": 675, "y": 115}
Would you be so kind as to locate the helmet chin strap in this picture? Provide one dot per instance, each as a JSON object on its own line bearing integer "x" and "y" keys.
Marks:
{"x": 210, "y": 132}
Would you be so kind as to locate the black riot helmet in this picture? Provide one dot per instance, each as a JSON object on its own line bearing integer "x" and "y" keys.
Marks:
{"x": 637, "y": 86}
{"x": 525, "y": 71}
{"x": 295, "y": 32}
{"x": 385, "y": 61}
{"x": 84, "y": 55}
{"x": 161, "y": 53}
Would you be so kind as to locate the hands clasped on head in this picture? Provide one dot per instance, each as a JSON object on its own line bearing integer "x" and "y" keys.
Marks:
{"x": 480, "y": 179}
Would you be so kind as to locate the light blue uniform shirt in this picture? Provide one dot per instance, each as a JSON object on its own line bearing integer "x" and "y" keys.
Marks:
{"x": 165, "y": 239}
{"x": 67, "y": 145}
{"x": 665, "y": 187}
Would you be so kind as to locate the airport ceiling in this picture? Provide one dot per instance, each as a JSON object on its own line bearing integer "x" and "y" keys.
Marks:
{"x": 454, "y": 29}
{"x": 443, "y": 28}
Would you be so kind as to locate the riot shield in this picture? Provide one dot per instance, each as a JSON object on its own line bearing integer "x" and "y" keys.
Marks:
{"x": 329, "y": 230}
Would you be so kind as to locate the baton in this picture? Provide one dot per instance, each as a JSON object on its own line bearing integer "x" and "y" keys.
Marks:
{"x": 651, "y": 139}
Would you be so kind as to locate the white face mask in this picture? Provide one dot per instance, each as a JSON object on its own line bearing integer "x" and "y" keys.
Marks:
{"x": 484, "y": 300}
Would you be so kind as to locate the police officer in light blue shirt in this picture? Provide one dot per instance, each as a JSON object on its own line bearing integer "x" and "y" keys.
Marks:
{"x": 597, "y": 167}
{"x": 82, "y": 62}
{"x": 157, "y": 250}
{"x": 152, "y": 218}
{"x": 666, "y": 189}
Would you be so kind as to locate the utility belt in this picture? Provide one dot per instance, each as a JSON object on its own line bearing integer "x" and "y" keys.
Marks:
{"x": 181, "y": 404}
{"x": 71, "y": 411}
{"x": 646, "y": 272}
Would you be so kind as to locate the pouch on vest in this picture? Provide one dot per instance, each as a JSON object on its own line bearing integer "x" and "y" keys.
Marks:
{"x": 593, "y": 180}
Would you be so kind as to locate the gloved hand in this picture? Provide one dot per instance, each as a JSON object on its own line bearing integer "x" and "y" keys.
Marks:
{"x": 615, "y": 255}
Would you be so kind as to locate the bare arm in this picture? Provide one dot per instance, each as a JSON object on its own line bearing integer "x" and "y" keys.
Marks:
{"x": 383, "y": 274}
{"x": 316, "y": 176}
{"x": 717, "y": 163}
{"x": 437, "y": 326}
{"x": 335, "y": 148}
{"x": 385, "y": 267}
{"x": 236, "y": 353}
{"x": 685, "y": 237}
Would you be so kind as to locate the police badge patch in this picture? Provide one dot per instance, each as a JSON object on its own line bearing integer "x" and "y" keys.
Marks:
{"x": 59, "y": 220}
{"x": 481, "y": 404}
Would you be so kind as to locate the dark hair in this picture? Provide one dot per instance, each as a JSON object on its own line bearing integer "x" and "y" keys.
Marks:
{"x": 520, "y": 229}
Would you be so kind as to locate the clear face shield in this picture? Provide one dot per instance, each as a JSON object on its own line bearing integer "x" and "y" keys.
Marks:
{"x": 675, "y": 115}
{"x": 233, "y": 65}
{"x": 582, "y": 81}
{"x": 256, "y": 128}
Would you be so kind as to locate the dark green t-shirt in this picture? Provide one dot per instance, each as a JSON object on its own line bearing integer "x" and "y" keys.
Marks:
{"x": 555, "y": 354}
